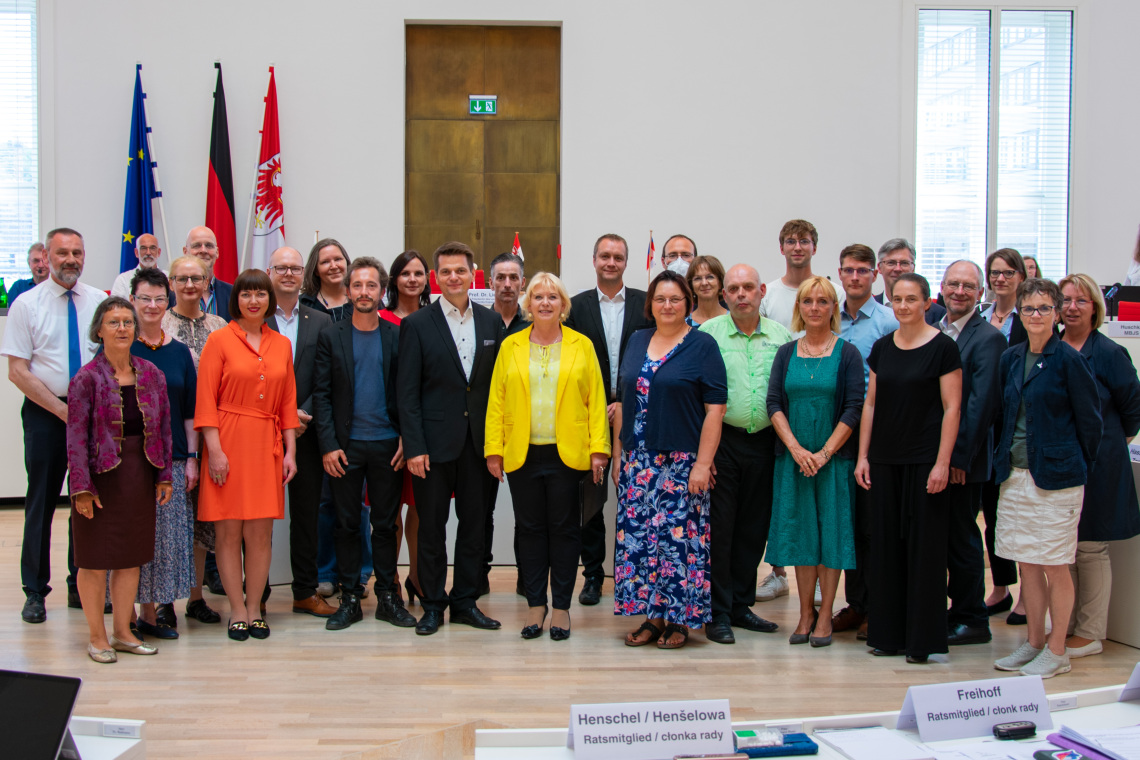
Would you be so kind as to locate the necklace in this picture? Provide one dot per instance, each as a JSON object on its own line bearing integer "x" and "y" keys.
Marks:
{"x": 819, "y": 357}
{"x": 154, "y": 346}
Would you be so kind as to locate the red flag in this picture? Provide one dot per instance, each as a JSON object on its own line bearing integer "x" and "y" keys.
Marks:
{"x": 220, "y": 189}
{"x": 649, "y": 253}
{"x": 516, "y": 248}
{"x": 268, "y": 232}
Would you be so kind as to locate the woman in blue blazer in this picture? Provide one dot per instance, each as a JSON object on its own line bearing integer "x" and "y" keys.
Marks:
{"x": 1050, "y": 432}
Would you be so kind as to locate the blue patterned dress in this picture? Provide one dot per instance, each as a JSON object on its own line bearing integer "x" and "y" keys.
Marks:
{"x": 661, "y": 560}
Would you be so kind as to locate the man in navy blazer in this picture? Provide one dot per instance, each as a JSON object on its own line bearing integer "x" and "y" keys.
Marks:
{"x": 202, "y": 242}
{"x": 897, "y": 257}
{"x": 981, "y": 346}
{"x": 607, "y": 314}
{"x": 447, "y": 355}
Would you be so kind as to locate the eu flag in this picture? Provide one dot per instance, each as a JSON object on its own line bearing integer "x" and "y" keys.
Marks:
{"x": 137, "y": 215}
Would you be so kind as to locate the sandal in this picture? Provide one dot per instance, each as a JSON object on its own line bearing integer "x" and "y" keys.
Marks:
{"x": 238, "y": 631}
{"x": 259, "y": 629}
{"x": 668, "y": 632}
{"x": 654, "y": 634}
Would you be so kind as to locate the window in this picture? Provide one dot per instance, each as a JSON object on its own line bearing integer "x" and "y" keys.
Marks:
{"x": 19, "y": 143}
{"x": 992, "y": 137}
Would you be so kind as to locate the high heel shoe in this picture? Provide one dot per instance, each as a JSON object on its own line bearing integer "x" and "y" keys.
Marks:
{"x": 413, "y": 592}
{"x": 560, "y": 634}
{"x": 534, "y": 630}
{"x": 803, "y": 638}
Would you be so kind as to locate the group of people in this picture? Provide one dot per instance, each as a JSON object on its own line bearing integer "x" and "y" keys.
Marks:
{"x": 839, "y": 434}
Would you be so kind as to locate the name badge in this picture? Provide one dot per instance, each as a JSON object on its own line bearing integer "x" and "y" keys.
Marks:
{"x": 967, "y": 709}
{"x": 649, "y": 730}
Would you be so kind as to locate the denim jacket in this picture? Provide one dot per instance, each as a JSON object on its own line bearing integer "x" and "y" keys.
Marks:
{"x": 95, "y": 421}
{"x": 1062, "y": 415}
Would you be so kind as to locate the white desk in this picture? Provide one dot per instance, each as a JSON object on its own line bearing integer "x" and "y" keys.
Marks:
{"x": 93, "y": 745}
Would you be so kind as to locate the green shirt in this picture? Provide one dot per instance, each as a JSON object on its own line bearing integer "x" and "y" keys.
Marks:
{"x": 748, "y": 362}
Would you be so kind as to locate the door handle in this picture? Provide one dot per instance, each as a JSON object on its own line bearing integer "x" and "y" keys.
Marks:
{"x": 478, "y": 233}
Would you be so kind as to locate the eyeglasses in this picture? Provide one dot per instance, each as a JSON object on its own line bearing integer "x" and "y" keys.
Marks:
{"x": 1080, "y": 302}
{"x": 197, "y": 279}
{"x": 804, "y": 242}
{"x": 852, "y": 271}
{"x": 1006, "y": 273}
{"x": 1042, "y": 310}
{"x": 150, "y": 301}
{"x": 674, "y": 301}
{"x": 968, "y": 287}
{"x": 896, "y": 264}
{"x": 686, "y": 255}
{"x": 115, "y": 324}
{"x": 148, "y": 249}
{"x": 288, "y": 270}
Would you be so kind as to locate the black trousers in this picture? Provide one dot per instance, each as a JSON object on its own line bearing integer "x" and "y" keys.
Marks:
{"x": 368, "y": 462}
{"x": 908, "y": 561}
{"x": 740, "y": 514}
{"x": 855, "y": 581}
{"x": 547, "y": 524}
{"x": 304, "y": 503}
{"x": 466, "y": 477}
{"x": 965, "y": 558}
{"x": 45, "y": 460}
{"x": 1003, "y": 571}
{"x": 594, "y": 546}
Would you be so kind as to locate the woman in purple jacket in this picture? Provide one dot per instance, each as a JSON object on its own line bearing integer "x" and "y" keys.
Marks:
{"x": 119, "y": 456}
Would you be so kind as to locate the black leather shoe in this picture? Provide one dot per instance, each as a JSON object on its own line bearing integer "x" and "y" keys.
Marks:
{"x": 964, "y": 634}
{"x": 885, "y": 652}
{"x": 1015, "y": 618}
{"x": 347, "y": 614}
{"x": 159, "y": 631}
{"x": 164, "y": 615}
{"x": 429, "y": 623}
{"x": 34, "y": 611}
{"x": 1005, "y": 604}
{"x": 917, "y": 659}
{"x": 200, "y": 611}
{"x": 591, "y": 592}
{"x": 107, "y": 608}
{"x": 720, "y": 633}
{"x": 390, "y": 609}
{"x": 213, "y": 581}
{"x": 73, "y": 600}
{"x": 475, "y": 618}
{"x": 750, "y": 621}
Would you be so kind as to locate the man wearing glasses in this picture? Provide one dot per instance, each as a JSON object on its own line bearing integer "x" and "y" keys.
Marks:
{"x": 863, "y": 320}
{"x": 301, "y": 325}
{"x": 202, "y": 243}
{"x": 147, "y": 252}
{"x": 678, "y": 254}
{"x": 798, "y": 239}
{"x": 981, "y": 346}
{"x": 896, "y": 258}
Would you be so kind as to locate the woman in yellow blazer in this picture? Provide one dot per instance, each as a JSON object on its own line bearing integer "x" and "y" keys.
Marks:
{"x": 546, "y": 426}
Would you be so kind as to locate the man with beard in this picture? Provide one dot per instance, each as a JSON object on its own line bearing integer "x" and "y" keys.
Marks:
{"x": 147, "y": 252}
{"x": 46, "y": 344}
{"x": 37, "y": 262}
{"x": 359, "y": 439}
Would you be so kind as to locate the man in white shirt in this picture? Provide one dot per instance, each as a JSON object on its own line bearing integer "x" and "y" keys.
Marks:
{"x": 147, "y": 252}
{"x": 46, "y": 344}
{"x": 798, "y": 239}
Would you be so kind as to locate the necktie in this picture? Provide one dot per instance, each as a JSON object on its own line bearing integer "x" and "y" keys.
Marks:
{"x": 73, "y": 358}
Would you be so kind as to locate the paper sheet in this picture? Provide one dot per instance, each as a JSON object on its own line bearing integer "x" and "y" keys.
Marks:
{"x": 992, "y": 750}
{"x": 876, "y": 743}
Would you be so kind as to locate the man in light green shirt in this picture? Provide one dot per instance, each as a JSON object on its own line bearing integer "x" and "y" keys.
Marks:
{"x": 741, "y": 507}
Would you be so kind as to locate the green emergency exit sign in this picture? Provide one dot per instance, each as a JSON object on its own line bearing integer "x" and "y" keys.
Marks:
{"x": 482, "y": 105}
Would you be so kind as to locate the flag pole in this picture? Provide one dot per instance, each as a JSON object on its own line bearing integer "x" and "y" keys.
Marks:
{"x": 649, "y": 264}
{"x": 154, "y": 174}
{"x": 252, "y": 193}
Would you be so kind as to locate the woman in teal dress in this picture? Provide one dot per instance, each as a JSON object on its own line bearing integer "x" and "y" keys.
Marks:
{"x": 815, "y": 399}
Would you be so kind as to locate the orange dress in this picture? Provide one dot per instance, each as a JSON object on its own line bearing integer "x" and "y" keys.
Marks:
{"x": 250, "y": 396}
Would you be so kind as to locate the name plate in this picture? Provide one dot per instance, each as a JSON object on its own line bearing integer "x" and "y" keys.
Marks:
{"x": 1131, "y": 691}
{"x": 1115, "y": 329}
{"x": 482, "y": 296}
{"x": 967, "y": 709}
{"x": 650, "y": 730}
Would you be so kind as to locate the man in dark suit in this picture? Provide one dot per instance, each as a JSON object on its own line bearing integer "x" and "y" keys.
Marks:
{"x": 897, "y": 257}
{"x": 301, "y": 325}
{"x": 981, "y": 346}
{"x": 447, "y": 355}
{"x": 202, "y": 242}
{"x": 356, "y": 366}
{"x": 607, "y": 315}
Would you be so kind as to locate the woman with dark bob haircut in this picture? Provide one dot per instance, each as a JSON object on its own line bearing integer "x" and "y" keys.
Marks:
{"x": 246, "y": 412}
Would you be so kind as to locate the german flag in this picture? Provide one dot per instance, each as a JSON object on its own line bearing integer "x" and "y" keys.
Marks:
{"x": 220, "y": 189}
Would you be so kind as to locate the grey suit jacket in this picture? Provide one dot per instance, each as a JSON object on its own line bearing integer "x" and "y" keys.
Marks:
{"x": 310, "y": 324}
{"x": 981, "y": 346}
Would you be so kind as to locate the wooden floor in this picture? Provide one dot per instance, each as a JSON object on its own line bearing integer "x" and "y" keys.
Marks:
{"x": 311, "y": 693}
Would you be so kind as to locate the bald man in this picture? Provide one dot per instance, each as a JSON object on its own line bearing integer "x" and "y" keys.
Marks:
{"x": 147, "y": 253}
{"x": 202, "y": 242}
{"x": 301, "y": 325}
{"x": 741, "y": 509}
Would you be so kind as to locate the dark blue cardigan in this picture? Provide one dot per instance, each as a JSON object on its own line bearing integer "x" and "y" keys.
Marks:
{"x": 693, "y": 376}
{"x": 849, "y": 392}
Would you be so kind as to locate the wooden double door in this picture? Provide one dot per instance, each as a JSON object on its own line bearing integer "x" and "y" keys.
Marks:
{"x": 479, "y": 179}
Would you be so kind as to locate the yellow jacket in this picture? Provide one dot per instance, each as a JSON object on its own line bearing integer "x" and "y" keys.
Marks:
{"x": 580, "y": 405}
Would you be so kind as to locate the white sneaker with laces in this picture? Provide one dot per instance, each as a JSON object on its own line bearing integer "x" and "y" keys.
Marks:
{"x": 772, "y": 587}
{"x": 1021, "y": 657}
{"x": 1047, "y": 664}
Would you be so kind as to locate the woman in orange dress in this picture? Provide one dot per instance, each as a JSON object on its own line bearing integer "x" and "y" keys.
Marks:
{"x": 247, "y": 414}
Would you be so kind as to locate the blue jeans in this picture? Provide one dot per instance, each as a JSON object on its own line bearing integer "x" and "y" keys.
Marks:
{"x": 326, "y": 545}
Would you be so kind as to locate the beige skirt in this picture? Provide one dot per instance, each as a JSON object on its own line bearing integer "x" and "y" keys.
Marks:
{"x": 1034, "y": 525}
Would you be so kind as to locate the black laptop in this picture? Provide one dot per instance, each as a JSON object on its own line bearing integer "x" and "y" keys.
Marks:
{"x": 37, "y": 708}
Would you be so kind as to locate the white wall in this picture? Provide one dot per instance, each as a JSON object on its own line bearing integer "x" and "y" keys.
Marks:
{"x": 718, "y": 119}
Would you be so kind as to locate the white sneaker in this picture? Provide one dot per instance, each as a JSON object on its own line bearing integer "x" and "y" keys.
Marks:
{"x": 772, "y": 587}
{"x": 818, "y": 595}
{"x": 1093, "y": 647}
{"x": 1024, "y": 655}
{"x": 1047, "y": 664}
{"x": 326, "y": 589}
